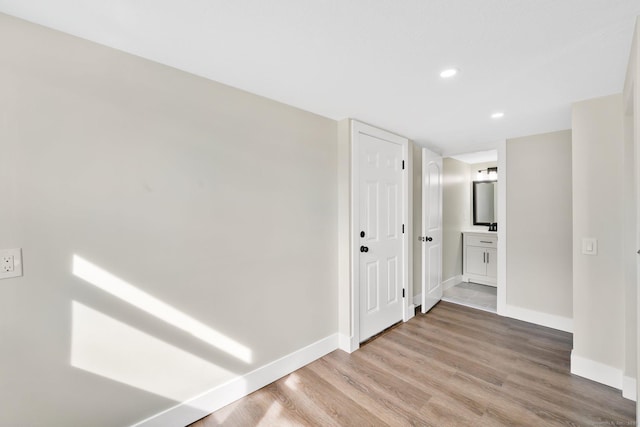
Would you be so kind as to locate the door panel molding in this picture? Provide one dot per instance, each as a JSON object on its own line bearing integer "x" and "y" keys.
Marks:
{"x": 357, "y": 130}
{"x": 502, "y": 230}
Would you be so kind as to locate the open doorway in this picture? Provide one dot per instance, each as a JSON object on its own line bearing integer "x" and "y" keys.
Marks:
{"x": 470, "y": 224}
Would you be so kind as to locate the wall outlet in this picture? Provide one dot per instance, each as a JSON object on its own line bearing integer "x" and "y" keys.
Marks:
{"x": 6, "y": 264}
{"x": 10, "y": 263}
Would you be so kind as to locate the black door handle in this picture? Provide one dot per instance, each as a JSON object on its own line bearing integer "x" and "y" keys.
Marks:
{"x": 364, "y": 249}
{"x": 429, "y": 239}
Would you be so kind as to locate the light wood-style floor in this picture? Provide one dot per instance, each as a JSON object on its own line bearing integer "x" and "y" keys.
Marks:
{"x": 454, "y": 366}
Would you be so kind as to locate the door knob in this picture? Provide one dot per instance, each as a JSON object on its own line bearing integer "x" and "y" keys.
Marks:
{"x": 428, "y": 239}
{"x": 364, "y": 249}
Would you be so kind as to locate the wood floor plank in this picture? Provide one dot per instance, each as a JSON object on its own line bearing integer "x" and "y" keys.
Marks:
{"x": 381, "y": 405}
{"x": 513, "y": 341}
{"x": 411, "y": 366}
{"x": 454, "y": 366}
{"x": 337, "y": 404}
{"x": 561, "y": 399}
{"x": 485, "y": 353}
{"x": 379, "y": 380}
{"x": 244, "y": 412}
{"x": 490, "y": 374}
{"x": 508, "y": 399}
{"x": 444, "y": 413}
{"x": 293, "y": 396}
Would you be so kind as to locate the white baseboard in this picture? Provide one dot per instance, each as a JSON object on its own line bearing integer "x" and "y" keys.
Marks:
{"x": 451, "y": 282}
{"x": 629, "y": 388}
{"x": 596, "y": 371}
{"x": 543, "y": 319}
{"x": 346, "y": 343}
{"x": 210, "y": 401}
{"x": 417, "y": 300}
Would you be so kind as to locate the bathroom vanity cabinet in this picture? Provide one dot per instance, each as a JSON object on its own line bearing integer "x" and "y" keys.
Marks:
{"x": 480, "y": 257}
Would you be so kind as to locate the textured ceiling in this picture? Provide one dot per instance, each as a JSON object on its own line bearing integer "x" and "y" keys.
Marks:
{"x": 378, "y": 61}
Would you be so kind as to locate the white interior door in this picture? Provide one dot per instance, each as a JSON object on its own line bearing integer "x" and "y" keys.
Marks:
{"x": 431, "y": 229}
{"x": 380, "y": 235}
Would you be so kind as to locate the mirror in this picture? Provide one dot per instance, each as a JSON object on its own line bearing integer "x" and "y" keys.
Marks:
{"x": 485, "y": 202}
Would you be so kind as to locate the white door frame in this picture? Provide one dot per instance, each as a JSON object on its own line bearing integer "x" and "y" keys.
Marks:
{"x": 633, "y": 91}
{"x": 636, "y": 146}
{"x": 501, "y": 306}
{"x": 407, "y": 305}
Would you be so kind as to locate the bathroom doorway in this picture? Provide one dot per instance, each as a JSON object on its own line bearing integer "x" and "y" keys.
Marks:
{"x": 469, "y": 259}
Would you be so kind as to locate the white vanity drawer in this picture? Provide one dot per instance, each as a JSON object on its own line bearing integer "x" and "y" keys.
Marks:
{"x": 484, "y": 241}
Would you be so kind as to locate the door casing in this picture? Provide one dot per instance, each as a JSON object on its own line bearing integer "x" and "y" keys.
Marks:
{"x": 407, "y": 305}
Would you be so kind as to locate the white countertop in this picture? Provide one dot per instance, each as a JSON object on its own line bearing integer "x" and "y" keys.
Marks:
{"x": 479, "y": 231}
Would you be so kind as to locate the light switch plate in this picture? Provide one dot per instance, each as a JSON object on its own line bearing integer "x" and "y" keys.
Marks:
{"x": 589, "y": 246}
{"x": 10, "y": 263}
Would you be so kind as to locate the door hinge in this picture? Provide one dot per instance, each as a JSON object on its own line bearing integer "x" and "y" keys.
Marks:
{"x": 403, "y": 164}
{"x": 403, "y": 293}
{"x": 402, "y": 228}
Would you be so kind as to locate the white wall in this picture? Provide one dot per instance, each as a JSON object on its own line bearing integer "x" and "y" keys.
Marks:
{"x": 631, "y": 100}
{"x": 456, "y": 214}
{"x": 539, "y": 258}
{"x": 344, "y": 233}
{"x": 598, "y": 203}
{"x": 630, "y": 261}
{"x": 214, "y": 201}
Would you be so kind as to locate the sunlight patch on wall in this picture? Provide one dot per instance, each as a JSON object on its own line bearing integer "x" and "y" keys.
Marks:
{"x": 114, "y": 350}
{"x": 140, "y": 299}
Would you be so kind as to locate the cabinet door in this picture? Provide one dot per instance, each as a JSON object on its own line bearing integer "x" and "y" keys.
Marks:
{"x": 492, "y": 263}
{"x": 475, "y": 260}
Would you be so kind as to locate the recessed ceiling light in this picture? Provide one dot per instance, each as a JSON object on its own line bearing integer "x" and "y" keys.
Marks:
{"x": 448, "y": 73}
{"x": 497, "y": 115}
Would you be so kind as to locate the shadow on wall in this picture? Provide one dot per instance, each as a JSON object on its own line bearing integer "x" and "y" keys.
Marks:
{"x": 112, "y": 349}
{"x": 159, "y": 309}
{"x": 115, "y": 350}
{"x": 105, "y": 346}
